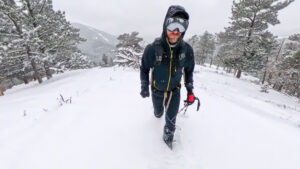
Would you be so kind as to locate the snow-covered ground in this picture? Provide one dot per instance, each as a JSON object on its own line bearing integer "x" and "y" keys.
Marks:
{"x": 108, "y": 125}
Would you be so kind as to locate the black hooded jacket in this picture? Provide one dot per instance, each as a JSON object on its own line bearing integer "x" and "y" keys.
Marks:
{"x": 168, "y": 64}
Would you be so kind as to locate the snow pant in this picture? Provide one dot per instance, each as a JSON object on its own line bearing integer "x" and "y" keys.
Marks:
{"x": 168, "y": 101}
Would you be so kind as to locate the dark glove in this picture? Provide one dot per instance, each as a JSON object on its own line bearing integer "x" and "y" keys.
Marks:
{"x": 145, "y": 91}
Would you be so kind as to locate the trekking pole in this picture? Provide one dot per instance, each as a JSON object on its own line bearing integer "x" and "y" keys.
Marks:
{"x": 198, "y": 104}
{"x": 186, "y": 105}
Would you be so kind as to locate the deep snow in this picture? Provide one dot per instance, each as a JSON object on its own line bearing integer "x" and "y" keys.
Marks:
{"x": 108, "y": 125}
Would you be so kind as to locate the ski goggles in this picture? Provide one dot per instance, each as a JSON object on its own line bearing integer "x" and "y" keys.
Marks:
{"x": 177, "y": 23}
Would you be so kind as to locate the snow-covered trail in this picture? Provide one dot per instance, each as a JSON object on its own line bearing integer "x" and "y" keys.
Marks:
{"x": 108, "y": 125}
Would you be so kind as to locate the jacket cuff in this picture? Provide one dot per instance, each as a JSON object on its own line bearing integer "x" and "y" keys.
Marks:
{"x": 189, "y": 88}
{"x": 145, "y": 83}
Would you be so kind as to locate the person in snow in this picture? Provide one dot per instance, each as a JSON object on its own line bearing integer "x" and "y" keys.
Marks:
{"x": 169, "y": 57}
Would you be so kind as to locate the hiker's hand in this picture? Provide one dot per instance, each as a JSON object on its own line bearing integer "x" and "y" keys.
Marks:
{"x": 190, "y": 99}
{"x": 145, "y": 91}
{"x": 190, "y": 95}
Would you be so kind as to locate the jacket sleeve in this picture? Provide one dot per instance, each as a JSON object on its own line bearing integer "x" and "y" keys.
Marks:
{"x": 189, "y": 69}
{"x": 146, "y": 64}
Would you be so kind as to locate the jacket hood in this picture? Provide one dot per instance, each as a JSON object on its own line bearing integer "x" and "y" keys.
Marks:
{"x": 174, "y": 10}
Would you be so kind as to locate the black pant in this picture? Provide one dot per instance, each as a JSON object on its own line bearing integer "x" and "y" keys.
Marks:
{"x": 158, "y": 99}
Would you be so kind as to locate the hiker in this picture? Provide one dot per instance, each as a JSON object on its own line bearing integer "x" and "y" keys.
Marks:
{"x": 168, "y": 57}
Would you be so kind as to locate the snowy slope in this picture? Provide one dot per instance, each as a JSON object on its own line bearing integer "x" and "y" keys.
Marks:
{"x": 108, "y": 125}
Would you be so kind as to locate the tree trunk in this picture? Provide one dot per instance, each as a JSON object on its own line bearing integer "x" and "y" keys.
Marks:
{"x": 279, "y": 51}
{"x": 239, "y": 73}
{"x": 1, "y": 91}
{"x": 211, "y": 61}
{"x": 227, "y": 69}
{"x": 34, "y": 66}
{"x": 297, "y": 91}
{"x": 269, "y": 77}
{"x": 36, "y": 71}
{"x": 48, "y": 71}
{"x": 280, "y": 88}
{"x": 25, "y": 80}
{"x": 264, "y": 77}
{"x": 234, "y": 72}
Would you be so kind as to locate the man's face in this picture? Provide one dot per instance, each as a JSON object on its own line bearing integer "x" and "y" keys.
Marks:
{"x": 173, "y": 36}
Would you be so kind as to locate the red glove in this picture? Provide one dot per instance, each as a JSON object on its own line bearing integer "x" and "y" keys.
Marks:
{"x": 191, "y": 99}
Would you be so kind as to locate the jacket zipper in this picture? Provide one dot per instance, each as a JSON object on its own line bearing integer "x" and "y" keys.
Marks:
{"x": 170, "y": 65}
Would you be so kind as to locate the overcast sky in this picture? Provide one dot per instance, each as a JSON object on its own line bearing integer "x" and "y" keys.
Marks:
{"x": 146, "y": 16}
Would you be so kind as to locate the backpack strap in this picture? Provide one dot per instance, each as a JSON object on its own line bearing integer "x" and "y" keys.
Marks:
{"x": 183, "y": 52}
{"x": 159, "y": 51}
{"x": 181, "y": 58}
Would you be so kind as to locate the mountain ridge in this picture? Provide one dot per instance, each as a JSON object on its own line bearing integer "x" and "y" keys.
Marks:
{"x": 97, "y": 44}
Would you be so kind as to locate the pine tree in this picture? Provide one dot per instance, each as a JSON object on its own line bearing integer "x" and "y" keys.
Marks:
{"x": 292, "y": 46}
{"x": 36, "y": 38}
{"x": 105, "y": 59}
{"x": 129, "y": 51}
{"x": 13, "y": 50}
{"x": 75, "y": 61}
{"x": 270, "y": 45}
{"x": 194, "y": 41}
{"x": 207, "y": 45}
{"x": 227, "y": 53}
{"x": 249, "y": 22}
{"x": 18, "y": 17}
{"x": 290, "y": 74}
{"x": 61, "y": 46}
{"x": 285, "y": 75}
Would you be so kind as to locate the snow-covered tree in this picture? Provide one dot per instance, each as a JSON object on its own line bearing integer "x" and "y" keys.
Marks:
{"x": 194, "y": 41}
{"x": 13, "y": 50}
{"x": 106, "y": 60}
{"x": 75, "y": 61}
{"x": 206, "y": 47}
{"x": 248, "y": 26}
{"x": 36, "y": 38}
{"x": 292, "y": 45}
{"x": 129, "y": 51}
{"x": 290, "y": 74}
{"x": 285, "y": 71}
{"x": 227, "y": 54}
{"x": 55, "y": 34}
{"x": 270, "y": 46}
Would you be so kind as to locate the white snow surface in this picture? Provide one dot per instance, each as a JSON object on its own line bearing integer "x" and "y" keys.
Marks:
{"x": 109, "y": 126}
